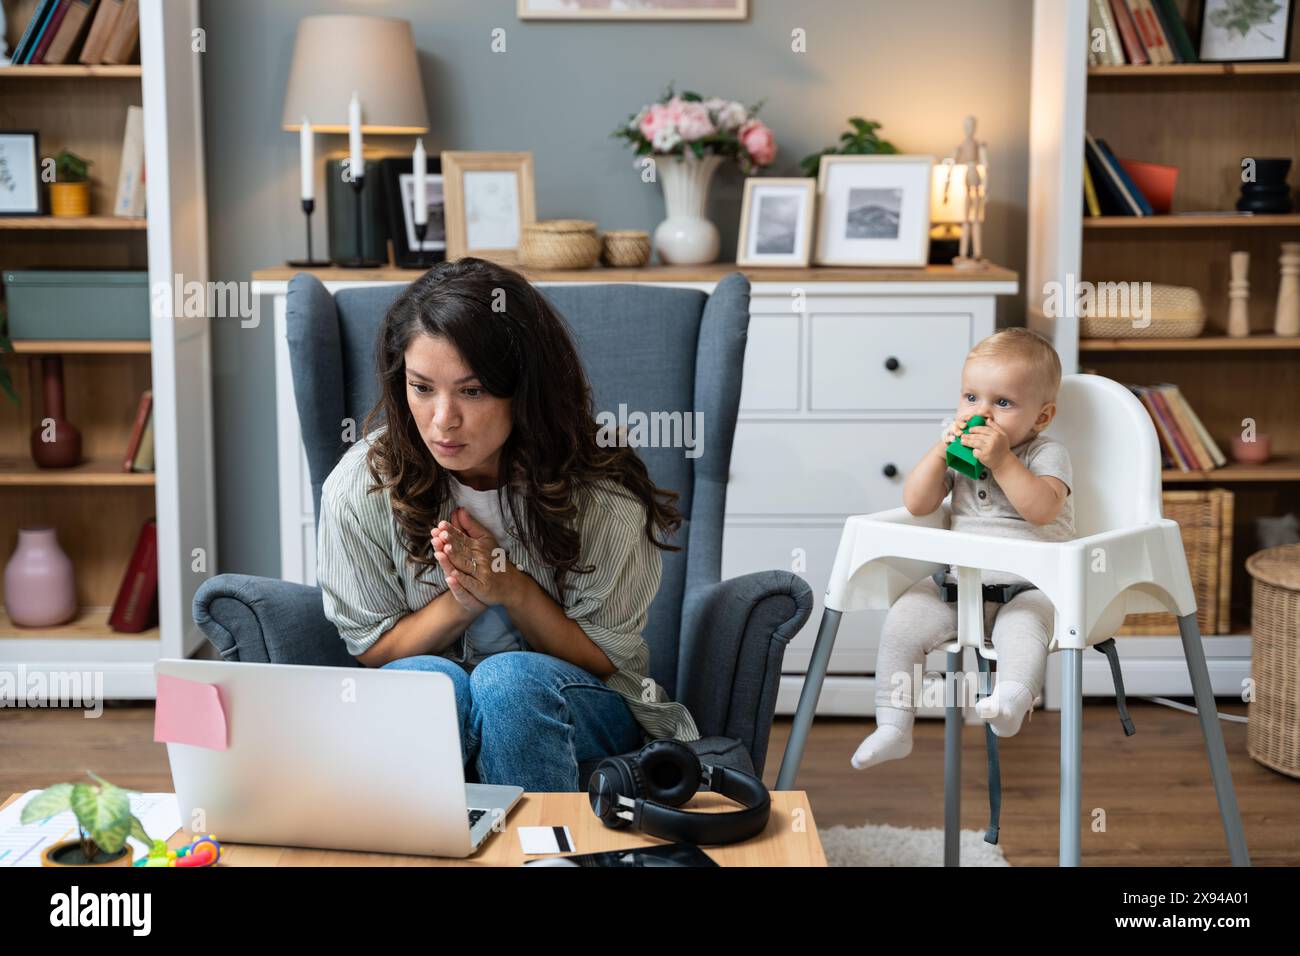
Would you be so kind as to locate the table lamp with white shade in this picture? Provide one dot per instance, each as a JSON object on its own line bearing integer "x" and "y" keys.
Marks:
{"x": 356, "y": 75}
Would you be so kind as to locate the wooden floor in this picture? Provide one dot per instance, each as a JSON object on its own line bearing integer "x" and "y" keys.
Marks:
{"x": 1154, "y": 787}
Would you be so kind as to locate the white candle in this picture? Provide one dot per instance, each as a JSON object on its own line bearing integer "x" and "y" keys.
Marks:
{"x": 355, "y": 163}
{"x": 421, "y": 201}
{"x": 307, "y": 159}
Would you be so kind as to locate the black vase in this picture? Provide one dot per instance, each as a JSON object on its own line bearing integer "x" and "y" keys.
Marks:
{"x": 1269, "y": 193}
{"x": 341, "y": 210}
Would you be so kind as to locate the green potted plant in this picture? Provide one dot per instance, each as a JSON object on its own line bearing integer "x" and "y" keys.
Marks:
{"x": 861, "y": 140}
{"x": 70, "y": 191}
{"x": 6, "y": 382}
{"x": 104, "y": 820}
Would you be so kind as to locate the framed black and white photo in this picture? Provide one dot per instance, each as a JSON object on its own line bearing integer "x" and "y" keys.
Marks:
{"x": 1233, "y": 30}
{"x": 399, "y": 184}
{"x": 776, "y": 222}
{"x": 20, "y": 173}
{"x": 873, "y": 210}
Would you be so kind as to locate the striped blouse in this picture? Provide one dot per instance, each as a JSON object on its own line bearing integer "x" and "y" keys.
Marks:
{"x": 369, "y": 583}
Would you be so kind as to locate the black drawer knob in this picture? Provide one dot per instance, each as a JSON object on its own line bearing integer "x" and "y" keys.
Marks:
{"x": 891, "y": 363}
{"x": 889, "y": 471}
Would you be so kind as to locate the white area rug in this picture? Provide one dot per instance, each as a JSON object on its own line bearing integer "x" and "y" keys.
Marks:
{"x": 872, "y": 845}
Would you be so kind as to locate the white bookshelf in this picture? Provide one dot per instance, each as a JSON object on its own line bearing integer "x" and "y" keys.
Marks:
{"x": 180, "y": 494}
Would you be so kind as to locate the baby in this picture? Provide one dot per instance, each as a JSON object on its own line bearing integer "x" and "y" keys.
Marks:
{"x": 1023, "y": 491}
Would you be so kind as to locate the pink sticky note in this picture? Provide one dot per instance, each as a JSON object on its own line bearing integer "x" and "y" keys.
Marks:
{"x": 188, "y": 712}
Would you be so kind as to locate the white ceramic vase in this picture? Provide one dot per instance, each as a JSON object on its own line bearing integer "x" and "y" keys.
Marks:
{"x": 686, "y": 237}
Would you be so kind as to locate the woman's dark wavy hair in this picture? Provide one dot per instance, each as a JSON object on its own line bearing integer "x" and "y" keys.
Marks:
{"x": 520, "y": 348}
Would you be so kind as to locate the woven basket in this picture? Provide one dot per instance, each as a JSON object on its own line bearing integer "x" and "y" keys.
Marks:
{"x": 1273, "y": 717}
{"x": 626, "y": 247}
{"x": 1205, "y": 523}
{"x": 559, "y": 244}
{"x": 1176, "y": 313}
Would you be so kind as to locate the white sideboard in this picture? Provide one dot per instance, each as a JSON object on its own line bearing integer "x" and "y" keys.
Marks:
{"x": 848, "y": 376}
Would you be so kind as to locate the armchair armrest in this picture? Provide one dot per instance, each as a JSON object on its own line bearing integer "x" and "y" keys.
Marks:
{"x": 734, "y": 636}
{"x": 249, "y": 618}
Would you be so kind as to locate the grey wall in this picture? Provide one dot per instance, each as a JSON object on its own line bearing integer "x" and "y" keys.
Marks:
{"x": 917, "y": 67}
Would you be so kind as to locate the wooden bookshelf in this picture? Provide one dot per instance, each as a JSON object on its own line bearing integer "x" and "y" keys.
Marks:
{"x": 83, "y": 347}
{"x": 1286, "y": 468}
{"x": 1173, "y": 70}
{"x": 93, "y": 472}
{"x": 67, "y": 71}
{"x": 1203, "y": 118}
{"x": 1192, "y": 221}
{"x": 96, "y": 508}
{"x": 1203, "y": 343}
{"x": 91, "y": 623}
{"x": 109, "y": 223}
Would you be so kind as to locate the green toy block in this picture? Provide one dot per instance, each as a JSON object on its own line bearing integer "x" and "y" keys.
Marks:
{"x": 961, "y": 459}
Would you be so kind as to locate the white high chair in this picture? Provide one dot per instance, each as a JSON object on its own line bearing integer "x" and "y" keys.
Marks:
{"x": 1126, "y": 558}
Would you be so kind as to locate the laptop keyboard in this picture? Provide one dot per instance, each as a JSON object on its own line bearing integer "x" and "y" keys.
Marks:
{"x": 475, "y": 816}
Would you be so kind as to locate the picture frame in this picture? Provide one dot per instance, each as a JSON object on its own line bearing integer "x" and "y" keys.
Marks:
{"x": 776, "y": 221}
{"x": 20, "y": 173}
{"x": 488, "y": 199}
{"x": 399, "y": 188}
{"x": 873, "y": 210}
{"x": 1228, "y": 36}
{"x": 633, "y": 10}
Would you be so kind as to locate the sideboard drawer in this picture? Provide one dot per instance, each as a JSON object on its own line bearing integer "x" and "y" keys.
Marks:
{"x": 823, "y": 467}
{"x": 891, "y": 362}
{"x": 771, "y": 373}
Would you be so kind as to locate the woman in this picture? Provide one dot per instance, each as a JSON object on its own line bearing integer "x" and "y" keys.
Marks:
{"x": 481, "y": 531}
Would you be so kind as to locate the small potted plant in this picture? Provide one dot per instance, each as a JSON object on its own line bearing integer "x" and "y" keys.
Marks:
{"x": 104, "y": 819}
{"x": 861, "y": 140}
{"x": 70, "y": 191}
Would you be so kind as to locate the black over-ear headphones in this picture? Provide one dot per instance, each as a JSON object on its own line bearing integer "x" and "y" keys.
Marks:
{"x": 642, "y": 791}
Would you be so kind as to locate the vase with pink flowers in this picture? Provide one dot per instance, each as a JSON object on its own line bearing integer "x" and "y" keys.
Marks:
{"x": 688, "y": 137}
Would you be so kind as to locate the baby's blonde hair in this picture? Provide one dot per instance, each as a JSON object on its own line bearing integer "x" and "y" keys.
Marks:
{"x": 1044, "y": 363}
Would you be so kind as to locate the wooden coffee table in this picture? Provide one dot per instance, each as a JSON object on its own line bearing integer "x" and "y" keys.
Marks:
{"x": 790, "y": 838}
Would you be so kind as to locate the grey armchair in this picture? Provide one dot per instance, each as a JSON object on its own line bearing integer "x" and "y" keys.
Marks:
{"x": 717, "y": 646}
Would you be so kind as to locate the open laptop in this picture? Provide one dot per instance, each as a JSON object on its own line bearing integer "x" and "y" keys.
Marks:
{"x": 340, "y": 758}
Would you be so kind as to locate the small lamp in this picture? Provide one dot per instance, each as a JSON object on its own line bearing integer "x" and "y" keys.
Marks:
{"x": 375, "y": 57}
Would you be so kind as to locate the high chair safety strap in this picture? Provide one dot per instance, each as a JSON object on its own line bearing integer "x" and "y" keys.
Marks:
{"x": 1111, "y": 650}
{"x": 991, "y": 748}
{"x": 997, "y": 593}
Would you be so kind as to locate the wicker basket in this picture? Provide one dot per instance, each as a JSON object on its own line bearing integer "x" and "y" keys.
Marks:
{"x": 626, "y": 247}
{"x": 559, "y": 244}
{"x": 1273, "y": 717}
{"x": 1205, "y": 523}
{"x": 1176, "y": 313}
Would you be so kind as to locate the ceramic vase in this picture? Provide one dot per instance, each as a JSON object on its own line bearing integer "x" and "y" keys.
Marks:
{"x": 686, "y": 237}
{"x": 40, "y": 587}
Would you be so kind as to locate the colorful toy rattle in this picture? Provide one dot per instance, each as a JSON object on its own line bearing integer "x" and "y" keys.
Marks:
{"x": 961, "y": 458}
{"x": 205, "y": 851}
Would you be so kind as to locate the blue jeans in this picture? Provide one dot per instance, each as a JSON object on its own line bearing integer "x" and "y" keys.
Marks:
{"x": 530, "y": 718}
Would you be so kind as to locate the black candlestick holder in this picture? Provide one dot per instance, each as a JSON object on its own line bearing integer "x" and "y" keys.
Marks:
{"x": 311, "y": 262}
{"x": 359, "y": 261}
{"x": 420, "y": 259}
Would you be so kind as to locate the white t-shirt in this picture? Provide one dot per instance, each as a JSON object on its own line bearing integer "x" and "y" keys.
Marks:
{"x": 492, "y": 631}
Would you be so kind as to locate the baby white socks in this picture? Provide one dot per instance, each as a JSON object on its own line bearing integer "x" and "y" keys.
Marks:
{"x": 892, "y": 740}
{"x": 1006, "y": 707}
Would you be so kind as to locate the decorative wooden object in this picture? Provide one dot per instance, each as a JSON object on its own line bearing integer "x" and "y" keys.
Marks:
{"x": 1287, "y": 319}
{"x": 1239, "y": 295}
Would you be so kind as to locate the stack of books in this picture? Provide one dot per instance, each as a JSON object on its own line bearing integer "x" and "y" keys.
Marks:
{"x": 1140, "y": 32}
{"x": 1108, "y": 186}
{"x": 1184, "y": 442}
{"x": 80, "y": 31}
